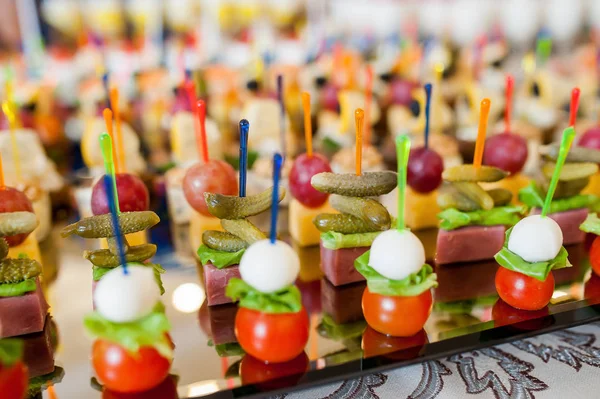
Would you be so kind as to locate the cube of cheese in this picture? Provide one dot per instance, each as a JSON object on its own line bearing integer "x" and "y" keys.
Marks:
{"x": 198, "y": 225}
{"x": 594, "y": 186}
{"x": 421, "y": 209}
{"x": 138, "y": 238}
{"x": 301, "y": 226}
{"x": 28, "y": 247}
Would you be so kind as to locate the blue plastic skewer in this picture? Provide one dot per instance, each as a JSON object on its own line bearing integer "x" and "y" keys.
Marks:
{"x": 106, "y": 89}
{"x": 108, "y": 186}
{"x": 243, "y": 165}
{"x": 427, "y": 110}
{"x": 277, "y": 161}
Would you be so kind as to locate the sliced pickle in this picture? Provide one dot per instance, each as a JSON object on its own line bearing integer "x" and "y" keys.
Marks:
{"x": 475, "y": 193}
{"x": 15, "y": 270}
{"x": 233, "y": 207}
{"x": 470, "y": 173}
{"x": 565, "y": 189}
{"x": 100, "y": 226}
{"x": 113, "y": 245}
{"x": 12, "y": 223}
{"x": 243, "y": 229}
{"x": 576, "y": 154}
{"x": 3, "y": 248}
{"x": 571, "y": 171}
{"x": 366, "y": 209}
{"x": 342, "y": 223}
{"x": 369, "y": 184}
{"x": 105, "y": 258}
{"x": 453, "y": 199}
{"x": 501, "y": 196}
{"x": 223, "y": 241}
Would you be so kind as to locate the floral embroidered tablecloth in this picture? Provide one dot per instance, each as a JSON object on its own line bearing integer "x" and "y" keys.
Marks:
{"x": 562, "y": 364}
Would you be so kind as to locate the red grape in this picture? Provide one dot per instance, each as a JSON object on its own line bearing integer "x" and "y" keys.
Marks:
{"x": 401, "y": 92}
{"x": 133, "y": 195}
{"x": 13, "y": 200}
{"x": 329, "y": 97}
{"x": 424, "y": 171}
{"x": 591, "y": 139}
{"x": 506, "y": 151}
{"x": 303, "y": 170}
{"x": 215, "y": 176}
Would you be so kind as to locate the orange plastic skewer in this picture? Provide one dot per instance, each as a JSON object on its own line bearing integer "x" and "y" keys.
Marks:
{"x": 1, "y": 173}
{"x": 574, "y": 106}
{"x": 114, "y": 104}
{"x": 307, "y": 123}
{"x": 368, "y": 98}
{"x": 480, "y": 143}
{"x": 201, "y": 130}
{"x": 359, "y": 117}
{"x": 108, "y": 121}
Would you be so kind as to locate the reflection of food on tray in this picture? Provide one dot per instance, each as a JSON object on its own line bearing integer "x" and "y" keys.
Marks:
{"x": 222, "y": 323}
{"x": 311, "y": 295}
{"x": 268, "y": 377}
{"x": 528, "y": 320}
{"x": 578, "y": 258}
{"x": 343, "y": 304}
{"x": 465, "y": 281}
{"x": 396, "y": 348}
{"x": 38, "y": 350}
{"x": 310, "y": 259}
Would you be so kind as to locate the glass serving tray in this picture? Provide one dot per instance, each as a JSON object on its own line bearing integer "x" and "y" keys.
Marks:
{"x": 208, "y": 361}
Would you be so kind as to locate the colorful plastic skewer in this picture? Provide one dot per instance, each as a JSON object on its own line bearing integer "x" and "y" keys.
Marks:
{"x": 575, "y": 93}
{"x": 480, "y": 143}
{"x": 277, "y": 161}
{"x": 402, "y": 153}
{"x": 359, "y": 117}
{"x": 281, "y": 114}
{"x": 243, "y": 164}
{"x": 108, "y": 121}
{"x": 307, "y": 123}
{"x": 510, "y": 85}
{"x": 565, "y": 145}
{"x": 427, "y": 112}
{"x": 201, "y": 130}
{"x": 120, "y": 160}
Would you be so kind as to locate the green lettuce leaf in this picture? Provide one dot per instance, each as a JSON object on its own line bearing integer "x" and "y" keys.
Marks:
{"x": 329, "y": 329}
{"x": 591, "y": 224}
{"x": 228, "y": 349}
{"x": 234, "y": 160}
{"x": 11, "y": 351}
{"x": 533, "y": 197}
{"x": 99, "y": 272}
{"x": 38, "y": 384}
{"x": 150, "y": 330}
{"x": 330, "y": 146}
{"x": 219, "y": 259}
{"x": 18, "y": 289}
{"x": 334, "y": 240}
{"x": 501, "y": 215}
{"x": 538, "y": 270}
{"x": 413, "y": 285}
{"x": 287, "y": 300}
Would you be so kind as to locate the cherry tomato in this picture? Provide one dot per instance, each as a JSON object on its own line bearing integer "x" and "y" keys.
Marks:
{"x": 397, "y": 348}
{"x": 504, "y": 314}
{"x": 124, "y": 372}
{"x": 273, "y": 376}
{"x": 524, "y": 292}
{"x": 591, "y": 289}
{"x": 595, "y": 255}
{"x": 272, "y": 337}
{"x": 166, "y": 390}
{"x": 13, "y": 381}
{"x": 399, "y": 316}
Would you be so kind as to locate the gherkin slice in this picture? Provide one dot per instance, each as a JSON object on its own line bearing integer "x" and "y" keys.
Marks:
{"x": 571, "y": 171}
{"x": 366, "y": 209}
{"x": 3, "y": 248}
{"x": 15, "y": 270}
{"x": 576, "y": 154}
{"x": 12, "y": 223}
{"x": 470, "y": 173}
{"x": 223, "y": 241}
{"x": 453, "y": 199}
{"x": 243, "y": 229}
{"x": 341, "y": 223}
{"x": 105, "y": 258}
{"x": 100, "y": 226}
{"x": 475, "y": 193}
{"x": 369, "y": 184}
{"x": 501, "y": 196}
{"x": 113, "y": 244}
{"x": 233, "y": 207}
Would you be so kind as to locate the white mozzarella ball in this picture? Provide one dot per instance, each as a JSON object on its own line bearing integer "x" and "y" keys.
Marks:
{"x": 520, "y": 20}
{"x": 269, "y": 267}
{"x": 564, "y": 18}
{"x": 123, "y": 298}
{"x": 397, "y": 254}
{"x": 536, "y": 239}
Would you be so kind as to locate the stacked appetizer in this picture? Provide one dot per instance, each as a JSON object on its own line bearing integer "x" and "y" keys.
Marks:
{"x": 569, "y": 207}
{"x": 23, "y": 307}
{"x": 592, "y": 225}
{"x": 104, "y": 260}
{"x": 349, "y": 234}
{"x": 533, "y": 248}
{"x": 13, "y": 371}
{"x": 397, "y": 300}
{"x": 221, "y": 252}
{"x": 133, "y": 351}
{"x": 270, "y": 304}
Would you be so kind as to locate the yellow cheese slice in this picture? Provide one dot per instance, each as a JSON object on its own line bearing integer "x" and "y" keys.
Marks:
{"x": 594, "y": 186}
{"x": 512, "y": 183}
{"x": 301, "y": 226}
{"x": 28, "y": 247}
{"x": 198, "y": 225}
{"x": 421, "y": 209}
{"x": 138, "y": 238}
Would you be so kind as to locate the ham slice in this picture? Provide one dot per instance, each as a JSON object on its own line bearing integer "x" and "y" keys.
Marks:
{"x": 469, "y": 244}
{"x": 216, "y": 280}
{"x": 338, "y": 264}
{"x": 38, "y": 350}
{"x": 569, "y": 222}
{"x": 222, "y": 323}
{"x": 343, "y": 304}
{"x": 25, "y": 314}
{"x": 465, "y": 281}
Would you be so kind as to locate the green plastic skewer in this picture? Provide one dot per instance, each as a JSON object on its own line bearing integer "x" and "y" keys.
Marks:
{"x": 109, "y": 164}
{"x": 402, "y": 152}
{"x": 565, "y": 146}
{"x": 543, "y": 49}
